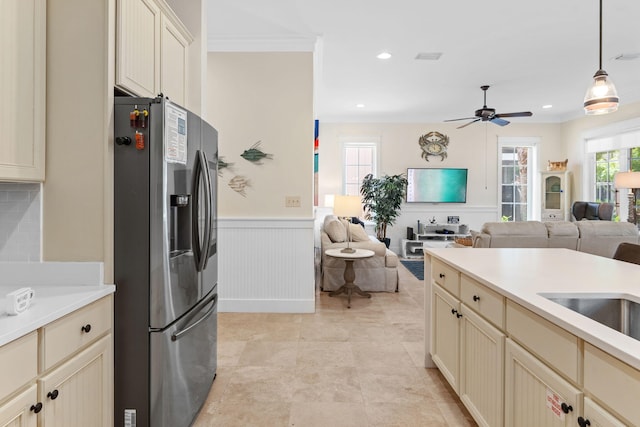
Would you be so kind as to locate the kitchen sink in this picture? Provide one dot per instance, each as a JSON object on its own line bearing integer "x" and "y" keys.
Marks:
{"x": 620, "y": 314}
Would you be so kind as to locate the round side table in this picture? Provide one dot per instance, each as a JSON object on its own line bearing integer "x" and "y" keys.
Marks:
{"x": 349, "y": 274}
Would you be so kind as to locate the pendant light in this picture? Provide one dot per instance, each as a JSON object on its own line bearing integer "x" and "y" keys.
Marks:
{"x": 601, "y": 97}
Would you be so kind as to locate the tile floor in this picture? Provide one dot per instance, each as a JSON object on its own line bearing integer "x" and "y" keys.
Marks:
{"x": 362, "y": 366}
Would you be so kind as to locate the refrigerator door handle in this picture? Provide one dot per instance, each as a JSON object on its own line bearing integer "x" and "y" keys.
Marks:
{"x": 208, "y": 210}
{"x": 180, "y": 333}
{"x": 200, "y": 247}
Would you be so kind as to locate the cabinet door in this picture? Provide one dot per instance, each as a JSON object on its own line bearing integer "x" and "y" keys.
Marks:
{"x": 22, "y": 90}
{"x": 138, "y": 47}
{"x": 173, "y": 59}
{"x": 79, "y": 392}
{"x": 445, "y": 334}
{"x": 535, "y": 395}
{"x": 17, "y": 412}
{"x": 598, "y": 416}
{"x": 481, "y": 368}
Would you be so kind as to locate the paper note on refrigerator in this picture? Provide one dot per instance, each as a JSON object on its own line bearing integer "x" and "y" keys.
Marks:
{"x": 175, "y": 135}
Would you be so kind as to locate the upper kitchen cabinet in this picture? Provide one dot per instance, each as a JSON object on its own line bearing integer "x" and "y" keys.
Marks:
{"x": 152, "y": 50}
{"x": 22, "y": 90}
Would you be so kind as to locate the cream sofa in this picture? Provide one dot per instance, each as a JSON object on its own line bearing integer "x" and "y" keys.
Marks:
{"x": 376, "y": 274}
{"x": 595, "y": 237}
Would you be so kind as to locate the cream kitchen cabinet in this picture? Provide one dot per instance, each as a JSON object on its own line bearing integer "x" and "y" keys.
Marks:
{"x": 63, "y": 372}
{"x": 467, "y": 349}
{"x": 535, "y": 395}
{"x": 151, "y": 50}
{"x": 596, "y": 416}
{"x": 22, "y": 90}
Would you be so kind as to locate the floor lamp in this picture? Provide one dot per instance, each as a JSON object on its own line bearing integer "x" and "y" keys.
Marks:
{"x": 347, "y": 207}
{"x": 631, "y": 181}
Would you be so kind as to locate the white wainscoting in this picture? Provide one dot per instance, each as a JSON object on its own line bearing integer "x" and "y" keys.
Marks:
{"x": 266, "y": 265}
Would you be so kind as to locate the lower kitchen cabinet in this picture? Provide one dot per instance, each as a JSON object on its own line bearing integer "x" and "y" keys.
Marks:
{"x": 73, "y": 385}
{"x": 64, "y": 391}
{"x": 20, "y": 411}
{"x": 446, "y": 335}
{"x": 481, "y": 368}
{"x": 597, "y": 416}
{"x": 535, "y": 395}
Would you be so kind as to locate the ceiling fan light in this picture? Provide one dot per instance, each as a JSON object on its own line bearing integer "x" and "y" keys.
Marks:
{"x": 601, "y": 97}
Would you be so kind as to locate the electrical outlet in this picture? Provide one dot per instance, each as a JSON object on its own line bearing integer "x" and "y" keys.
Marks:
{"x": 292, "y": 201}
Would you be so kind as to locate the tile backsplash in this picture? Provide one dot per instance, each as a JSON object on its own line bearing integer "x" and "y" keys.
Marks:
{"x": 20, "y": 222}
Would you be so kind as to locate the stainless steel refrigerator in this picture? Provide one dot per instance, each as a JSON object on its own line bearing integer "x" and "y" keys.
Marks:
{"x": 165, "y": 262}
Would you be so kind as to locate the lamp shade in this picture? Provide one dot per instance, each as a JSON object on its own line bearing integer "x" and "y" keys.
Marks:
{"x": 601, "y": 97}
{"x": 347, "y": 206}
{"x": 627, "y": 180}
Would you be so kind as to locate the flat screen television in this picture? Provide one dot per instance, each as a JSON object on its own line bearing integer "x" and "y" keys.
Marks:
{"x": 436, "y": 185}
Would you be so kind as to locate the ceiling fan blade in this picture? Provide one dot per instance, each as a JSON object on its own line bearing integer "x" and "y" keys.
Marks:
{"x": 455, "y": 120}
{"x": 467, "y": 124}
{"x": 521, "y": 114}
{"x": 498, "y": 121}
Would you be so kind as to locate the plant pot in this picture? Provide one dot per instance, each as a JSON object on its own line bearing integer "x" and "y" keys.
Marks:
{"x": 386, "y": 241}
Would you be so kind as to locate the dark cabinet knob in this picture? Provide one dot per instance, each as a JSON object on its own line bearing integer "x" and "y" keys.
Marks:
{"x": 454, "y": 311}
{"x": 458, "y": 315}
{"x": 36, "y": 408}
{"x": 53, "y": 395}
{"x": 566, "y": 408}
{"x": 476, "y": 298}
{"x": 442, "y": 275}
{"x": 86, "y": 328}
{"x": 583, "y": 422}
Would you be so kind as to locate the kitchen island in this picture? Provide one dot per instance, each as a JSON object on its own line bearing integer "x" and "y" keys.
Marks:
{"x": 492, "y": 331}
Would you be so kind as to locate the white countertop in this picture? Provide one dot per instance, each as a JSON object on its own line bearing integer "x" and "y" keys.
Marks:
{"x": 59, "y": 287}
{"x": 522, "y": 274}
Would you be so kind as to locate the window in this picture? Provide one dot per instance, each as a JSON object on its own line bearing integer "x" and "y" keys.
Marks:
{"x": 360, "y": 159}
{"x": 516, "y": 163}
{"x": 607, "y": 165}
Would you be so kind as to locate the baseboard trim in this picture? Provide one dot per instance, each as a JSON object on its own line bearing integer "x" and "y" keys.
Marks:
{"x": 266, "y": 306}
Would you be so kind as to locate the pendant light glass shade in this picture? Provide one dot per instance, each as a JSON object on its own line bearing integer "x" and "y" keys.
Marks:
{"x": 601, "y": 97}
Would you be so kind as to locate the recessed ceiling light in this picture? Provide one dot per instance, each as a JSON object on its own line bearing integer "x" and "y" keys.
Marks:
{"x": 359, "y": 105}
{"x": 547, "y": 106}
{"x": 429, "y": 56}
{"x": 384, "y": 55}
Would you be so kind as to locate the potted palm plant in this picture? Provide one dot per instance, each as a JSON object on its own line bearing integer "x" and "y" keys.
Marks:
{"x": 382, "y": 198}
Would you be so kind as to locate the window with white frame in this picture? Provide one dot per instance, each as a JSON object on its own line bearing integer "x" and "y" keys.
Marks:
{"x": 359, "y": 160}
{"x": 517, "y": 160}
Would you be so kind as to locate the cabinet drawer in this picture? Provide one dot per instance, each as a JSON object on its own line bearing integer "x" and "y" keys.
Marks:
{"x": 613, "y": 382}
{"x": 65, "y": 336}
{"x": 19, "y": 363}
{"x": 483, "y": 300}
{"x": 556, "y": 346}
{"x": 446, "y": 277}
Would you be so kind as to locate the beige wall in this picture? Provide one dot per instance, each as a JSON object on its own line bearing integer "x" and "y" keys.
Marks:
{"x": 79, "y": 105}
{"x": 468, "y": 148}
{"x": 265, "y": 97}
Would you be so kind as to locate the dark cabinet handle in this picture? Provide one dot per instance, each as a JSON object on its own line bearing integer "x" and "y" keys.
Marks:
{"x": 476, "y": 298}
{"x": 36, "y": 408}
{"x": 53, "y": 395}
{"x": 583, "y": 422}
{"x": 454, "y": 311}
{"x": 442, "y": 275}
{"x": 458, "y": 315}
{"x": 86, "y": 328}
{"x": 566, "y": 408}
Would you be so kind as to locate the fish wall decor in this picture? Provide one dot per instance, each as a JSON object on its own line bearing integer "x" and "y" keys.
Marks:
{"x": 239, "y": 184}
{"x": 255, "y": 154}
{"x": 223, "y": 165}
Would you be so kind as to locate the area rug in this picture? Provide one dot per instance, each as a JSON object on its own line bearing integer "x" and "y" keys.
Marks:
{"x": 415, "y": 267}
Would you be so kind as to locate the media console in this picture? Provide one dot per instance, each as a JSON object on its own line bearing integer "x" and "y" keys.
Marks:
{"x": 434, "y": 236}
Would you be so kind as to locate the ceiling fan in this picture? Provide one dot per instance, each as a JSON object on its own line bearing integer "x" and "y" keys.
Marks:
{"x": 489, "y": 114}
